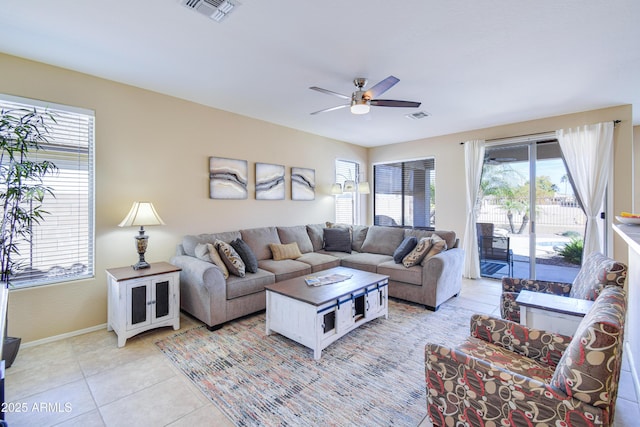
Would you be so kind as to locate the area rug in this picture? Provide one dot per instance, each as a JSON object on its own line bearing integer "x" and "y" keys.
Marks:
{"x": 373, "y": 376}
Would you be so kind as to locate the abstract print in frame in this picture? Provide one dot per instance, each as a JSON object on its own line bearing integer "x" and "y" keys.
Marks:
{"x": 228, "y": 178}
{"x": 303, "y": 184}
{"x": 269, "y": 181}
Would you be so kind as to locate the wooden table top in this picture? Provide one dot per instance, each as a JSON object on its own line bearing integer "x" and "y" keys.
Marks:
{"x": 126, "y": 273}
{"x": 555, "y": 303}
{"x": 298, "y": 289}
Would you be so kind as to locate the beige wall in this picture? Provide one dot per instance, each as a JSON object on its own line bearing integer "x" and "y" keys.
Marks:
{"x": 451, "y": 210}
{"x": 155, "y": 147}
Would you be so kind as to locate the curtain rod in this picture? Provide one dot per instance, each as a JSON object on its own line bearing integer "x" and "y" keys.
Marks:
{"x": 529, "y": 137}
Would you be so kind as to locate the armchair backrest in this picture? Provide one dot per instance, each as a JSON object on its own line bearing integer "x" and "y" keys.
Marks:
{"x": 589, "y": 369}
{"x": 597, "y": 272}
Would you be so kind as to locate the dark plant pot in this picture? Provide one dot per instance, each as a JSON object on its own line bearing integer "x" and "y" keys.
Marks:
{"x": 10, "y": 349}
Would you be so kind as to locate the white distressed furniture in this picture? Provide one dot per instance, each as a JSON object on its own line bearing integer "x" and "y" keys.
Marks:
{"x": 553, "y": 313}
{"x": 143, "y": 299}
{"x": 317, "y": 316}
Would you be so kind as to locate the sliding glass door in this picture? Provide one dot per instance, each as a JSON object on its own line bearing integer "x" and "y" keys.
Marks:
{"x": 536, "y": 230}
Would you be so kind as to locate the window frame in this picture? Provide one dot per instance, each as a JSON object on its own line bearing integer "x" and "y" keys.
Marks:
{"x": 66, "y": 154}
{"x": 403, "y": 193}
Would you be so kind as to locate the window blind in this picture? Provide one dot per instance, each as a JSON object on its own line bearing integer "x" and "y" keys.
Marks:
{"x": 346, "y": 202}
{"x": 61, "y": 246}
{"x": 404, "y": 193}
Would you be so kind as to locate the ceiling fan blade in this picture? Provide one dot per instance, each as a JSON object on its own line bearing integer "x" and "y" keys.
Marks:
{"x": 381, "y": 87}
{"x": 394, "y": 103}
{"x": 330, "y": 92}
{"x": 331, "y": 109}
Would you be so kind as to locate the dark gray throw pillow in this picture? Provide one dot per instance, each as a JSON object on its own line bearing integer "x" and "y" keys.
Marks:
{"x": 337, "y": 240}
{"x": 246, "y": 254}
{"x": 404, "y": 248}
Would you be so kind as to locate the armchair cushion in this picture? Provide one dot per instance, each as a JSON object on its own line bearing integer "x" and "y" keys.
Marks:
{"x": 597, "y": 272}
{"x": 542, "y": 346}
{"x": 511, "y": 287}
{"x": 589, "y": 368}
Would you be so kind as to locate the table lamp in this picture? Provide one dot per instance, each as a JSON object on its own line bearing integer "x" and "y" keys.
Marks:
{"x": 141, "y": 213}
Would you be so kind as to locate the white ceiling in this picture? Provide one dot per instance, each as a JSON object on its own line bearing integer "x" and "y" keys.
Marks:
{"x": 472, "y": 64}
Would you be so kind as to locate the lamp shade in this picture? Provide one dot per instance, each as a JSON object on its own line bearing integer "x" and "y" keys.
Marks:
{"x": 336, "y": 189}
{"x": 349, "y": 186}
{"x": 363, "y": 188}
{"x": 141, "y": 213}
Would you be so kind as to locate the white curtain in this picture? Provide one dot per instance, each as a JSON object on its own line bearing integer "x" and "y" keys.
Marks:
{"x": 588, "y": 152}
{"x": 473, "y": 159}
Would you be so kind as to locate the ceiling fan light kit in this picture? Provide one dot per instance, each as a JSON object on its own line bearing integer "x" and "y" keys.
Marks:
{"x": 361, "y": 100}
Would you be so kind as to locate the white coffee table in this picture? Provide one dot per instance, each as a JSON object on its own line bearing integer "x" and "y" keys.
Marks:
{"x": 316, "y": 316}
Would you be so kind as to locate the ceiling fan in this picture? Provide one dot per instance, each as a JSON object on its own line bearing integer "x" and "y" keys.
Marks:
{"x": 362, "y": 100}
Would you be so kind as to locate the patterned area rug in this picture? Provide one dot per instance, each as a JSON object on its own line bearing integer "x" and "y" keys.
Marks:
{"x": 373, "y": 376}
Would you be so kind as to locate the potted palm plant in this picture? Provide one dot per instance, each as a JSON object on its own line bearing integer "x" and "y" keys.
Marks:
{"x": 22, "y": 191}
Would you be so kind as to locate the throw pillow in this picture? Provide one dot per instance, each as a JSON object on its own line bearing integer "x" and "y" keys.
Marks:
{"x": 215, "y": 258}
{"x": 407, "y": 245}
{"x": 418, "y": 253}
{"x": 285, "y": 251}
{"x": 231, "y": 258}
{"x": 246, "y": 254}
{"x": 438, "y": 245}
{"x": 202, "y": 252}
{"x": 337, "y": 239}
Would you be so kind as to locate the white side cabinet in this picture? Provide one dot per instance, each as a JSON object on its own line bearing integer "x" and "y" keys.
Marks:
{"x": 144, "y": 299}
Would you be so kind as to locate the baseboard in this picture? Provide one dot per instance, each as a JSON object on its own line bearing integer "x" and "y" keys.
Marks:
{"x": 63, "y": 336}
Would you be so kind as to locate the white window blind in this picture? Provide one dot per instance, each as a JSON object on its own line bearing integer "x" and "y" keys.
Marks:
{"x": 61, "y": 246}
{"x": 404, "y": 193}
{"x": 346, "y": 202}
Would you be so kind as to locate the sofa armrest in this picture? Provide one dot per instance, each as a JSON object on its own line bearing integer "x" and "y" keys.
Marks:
{"x": 460, "y": 386}
{"x": 512, "y": 284}
{"x": 442, "y": 275}
{"x": 543, "y": 346}
{"x": 203, "y": 289}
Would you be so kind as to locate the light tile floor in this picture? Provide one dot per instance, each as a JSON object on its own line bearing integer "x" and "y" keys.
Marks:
{"x": 88, "y": 381}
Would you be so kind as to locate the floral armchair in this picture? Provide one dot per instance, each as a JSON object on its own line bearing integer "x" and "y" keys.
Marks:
{"x": 508, "y": 374}
{"x": 597, "y": 272}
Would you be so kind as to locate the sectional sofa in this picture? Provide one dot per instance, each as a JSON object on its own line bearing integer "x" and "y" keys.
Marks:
{"x": 281, "y": 253}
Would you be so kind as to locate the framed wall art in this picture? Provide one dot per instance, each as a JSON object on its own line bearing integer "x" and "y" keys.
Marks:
{"x": 227, "y": 178}
{"x": 269, "y": 181}
{"x": 303, "y": 184}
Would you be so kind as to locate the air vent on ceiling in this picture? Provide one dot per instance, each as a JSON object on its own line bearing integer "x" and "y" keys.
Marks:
{"x": 214, "y": 9}
{"x": 418, "y": 115}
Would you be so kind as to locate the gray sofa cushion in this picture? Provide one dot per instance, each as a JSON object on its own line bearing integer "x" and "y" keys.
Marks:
{"x": 358, "y": 233}
{"x": 251, "y": 283}
{"x": 337, "y": 239}
{"x": 316, "y": 234}
{"x": 400, "y": 273}
{"x": 358, "y": 236}
{"x": 448, "y": 236}
{"x": 365, "y": 261}
{"x": 319, "y": 261}
{"x": 296, "y": 234}
{"x": 259, "y": 239}
{"x": 249, "y": 259}
{"x": 189, "y": 242}
{"x": 382, "y": 240}
{"x": 285, "y": 269}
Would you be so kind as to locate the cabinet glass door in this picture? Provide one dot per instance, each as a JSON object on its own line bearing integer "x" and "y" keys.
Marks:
{"x": 138, "y": 306}
{"x": 162, "y": 299}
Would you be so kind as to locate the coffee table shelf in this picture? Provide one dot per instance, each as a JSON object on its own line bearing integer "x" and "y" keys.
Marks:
{"x": 317, "y": 316}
